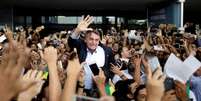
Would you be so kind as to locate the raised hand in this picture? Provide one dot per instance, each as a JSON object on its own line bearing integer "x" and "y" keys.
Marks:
{"x": 169, "y": 96}
{"x": 84, "y": 23}
{"x": 181, "y": 91}
{"x": 50, "y": 55}
{"x": 100, "y": 82}
{"x": 12, "y": 63}
{"x": 137, "y": 60}
{"x": 74, "y": 66}
{"x": 32, "y": 76}
{"x": 73, "y": 70}
{"x": 116, "y": 69}
{"x": 100, "y": 78}
{"x": 155, "y": 85}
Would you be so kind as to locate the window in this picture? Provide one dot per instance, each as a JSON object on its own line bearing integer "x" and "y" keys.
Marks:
{"x": 98, "y": 20}
{"x": 111, "y": 19}
{"x": 67, "y": 20}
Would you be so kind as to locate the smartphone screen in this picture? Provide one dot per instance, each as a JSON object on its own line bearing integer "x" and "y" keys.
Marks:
{"x": 94, "y": 68}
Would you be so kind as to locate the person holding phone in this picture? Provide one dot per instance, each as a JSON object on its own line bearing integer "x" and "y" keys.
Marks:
{"x": 122, "y": 67}
{"x": 91, "y": 51}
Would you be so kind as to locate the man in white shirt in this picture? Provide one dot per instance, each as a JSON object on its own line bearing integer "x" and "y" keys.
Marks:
{"x": 90, "y": 50}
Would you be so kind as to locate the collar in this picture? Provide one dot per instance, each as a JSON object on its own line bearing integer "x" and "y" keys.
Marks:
{"x": 92, "y": 52}
{"x": 124, "y": 59}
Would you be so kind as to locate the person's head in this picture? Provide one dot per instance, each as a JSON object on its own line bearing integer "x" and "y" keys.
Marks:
{"x": 124, "y": 52}
{"x": 140, "y": 93}
{"x": 198, "y": 72}
{"x": 33, "y": 46}
{"x": 115, "y": 47}
{"x": 35, "y": 55}
{"x": 198, "y": 54}
{"x": 109, "y": 42}
{"x": 124, "y": 90}
{"x": 92, "y": 39}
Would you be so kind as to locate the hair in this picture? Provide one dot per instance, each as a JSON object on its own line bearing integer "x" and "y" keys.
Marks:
{"x": 137, "y": 91}
{"x": 122, "y": 89}
{"x": 89, "y": 32}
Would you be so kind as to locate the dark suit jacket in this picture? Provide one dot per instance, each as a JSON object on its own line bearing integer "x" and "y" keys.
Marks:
{"x": 81, "y": 47}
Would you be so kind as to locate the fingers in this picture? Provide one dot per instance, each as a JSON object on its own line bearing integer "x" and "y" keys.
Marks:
{"x": 33, "y": 75}
{"x": 21, "y": 61}
{"x": 82, "y": 18}
{"x": 101, "y": 73}
{"x": 149, "y": 72}
{"x": 170, "y": 92}
{"x": 39, "y": 75}
{"x": 84, "y": 23}
{"x": 162, "y": 78}
{"x": 88, "y": 19}
{"x": 157, "y": 73}
{"x": 27, "y": 75}
{"x": 73, "y": 55}
{"x": 9, "y": 34}
{"x": 115, "y": 68}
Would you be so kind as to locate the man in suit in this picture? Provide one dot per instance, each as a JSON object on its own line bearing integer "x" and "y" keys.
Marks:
{"x": 90, "y": 50}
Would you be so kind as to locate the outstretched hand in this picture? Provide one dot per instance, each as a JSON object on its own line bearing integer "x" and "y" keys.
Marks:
{"x": 84, "y": 23}
{"x": 155, "y": 84}
{"x": 12, "y": 63}
{"x": 35, "y": 77}
{"x": 74, "y": 66}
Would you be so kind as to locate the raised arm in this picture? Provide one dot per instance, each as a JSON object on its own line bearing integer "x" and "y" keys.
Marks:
{"x": 73, "y": 71}
{"x": 83, "y": 25}
{"x": 73, "y": 41}
{"x": 50, "y": 56}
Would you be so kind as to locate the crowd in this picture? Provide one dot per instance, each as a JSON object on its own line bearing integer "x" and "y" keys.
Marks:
{"x": 89, "y": 65}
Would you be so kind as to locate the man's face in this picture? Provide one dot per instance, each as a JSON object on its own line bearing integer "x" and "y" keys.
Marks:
{"x": 125, "y": 52}
{"x": 92, "y": 41}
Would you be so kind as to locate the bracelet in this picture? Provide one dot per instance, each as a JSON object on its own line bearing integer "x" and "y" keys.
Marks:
{"x": 79, "y": 86}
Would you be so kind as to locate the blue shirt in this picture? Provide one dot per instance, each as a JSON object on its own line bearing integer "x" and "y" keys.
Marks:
{"x": 196, "y": 86}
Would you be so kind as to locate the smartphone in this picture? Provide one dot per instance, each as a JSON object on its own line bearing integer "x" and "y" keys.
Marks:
{"x": 169, "y": 84}
{"x": 94, "y": 68}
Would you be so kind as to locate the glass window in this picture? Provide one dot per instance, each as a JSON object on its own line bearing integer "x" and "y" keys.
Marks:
{"x": 98, "y": 20}
{"x": 111, "y": 19}
{"x": 53, "y": 19}
{"x": 19, "y": 20}
{"x": 67, "y": 20}
{"x": 28, "y": 20}
{"x": 43, "y": 19}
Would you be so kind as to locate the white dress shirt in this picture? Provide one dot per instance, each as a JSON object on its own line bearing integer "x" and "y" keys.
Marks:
{"x": 97, "y": 57}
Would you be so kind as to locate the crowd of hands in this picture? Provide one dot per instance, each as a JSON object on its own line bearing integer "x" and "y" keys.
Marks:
{"x": 16, "y": 84}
